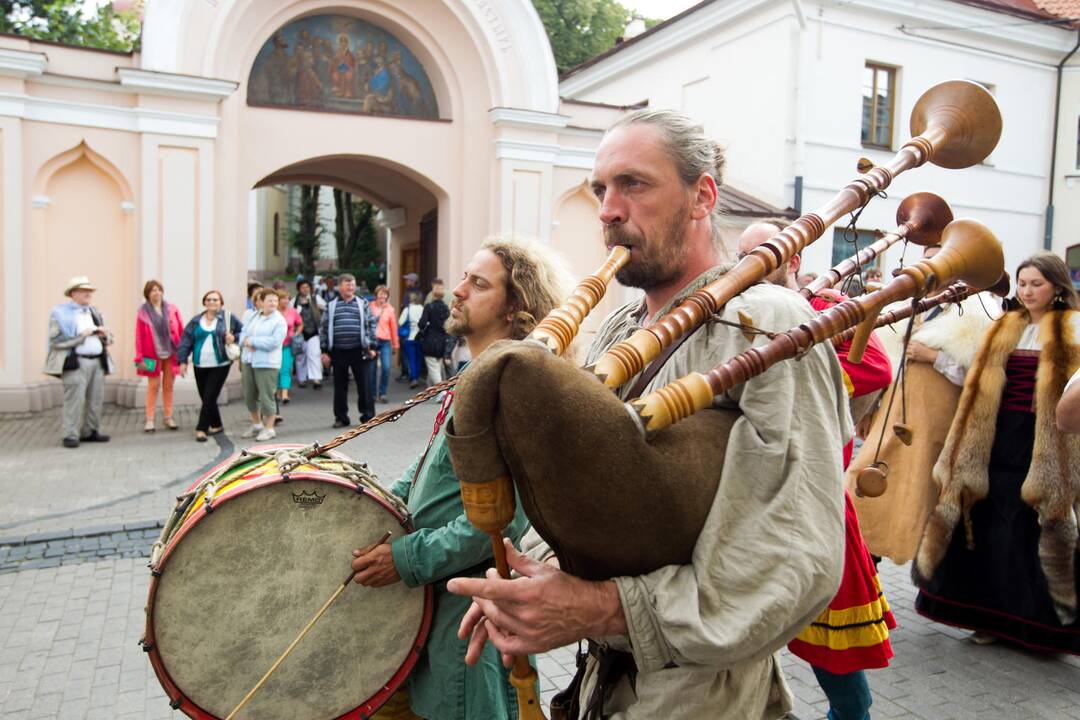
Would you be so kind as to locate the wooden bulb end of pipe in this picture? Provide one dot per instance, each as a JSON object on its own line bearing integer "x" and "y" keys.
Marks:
{"x": 673, "y": 402}
{"x": 872, "y": 480}
{"x": 489, "y": 504}
{"x": 627, "y": 359}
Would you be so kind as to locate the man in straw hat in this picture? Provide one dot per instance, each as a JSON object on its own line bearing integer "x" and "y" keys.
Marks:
{"x": 78, "y": 356}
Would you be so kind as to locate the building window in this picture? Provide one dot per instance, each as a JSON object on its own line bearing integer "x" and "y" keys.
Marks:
{"x": 846, "y": 243}
{"x": 879, "y": 102}
{"x": 277, "y": 236}
{"x": 1072, "y": 259}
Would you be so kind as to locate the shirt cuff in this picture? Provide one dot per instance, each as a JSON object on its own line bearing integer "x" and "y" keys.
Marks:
{"x": 645, "y": 636}
{"x": 399, "y": 551}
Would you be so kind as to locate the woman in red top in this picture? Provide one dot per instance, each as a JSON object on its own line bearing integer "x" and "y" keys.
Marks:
{"x": 293, "y": 324}
{"x": 386, "y": 332}
{"x": 157, "y": 335}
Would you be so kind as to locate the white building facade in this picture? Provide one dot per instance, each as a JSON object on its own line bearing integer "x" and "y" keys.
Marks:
{"x": 799, "y": 90}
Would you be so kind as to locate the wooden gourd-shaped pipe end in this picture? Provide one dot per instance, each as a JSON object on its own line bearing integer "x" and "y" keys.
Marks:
{"x": 673, "y": 402}
{"x": 872, "y": 480}
{"x": 1002, "y": 287}
{"x": 904, "y": 432}
{"x": 927, "y": 214}
{"x": 966, "y": 118}
{"x": 969, "y": 252}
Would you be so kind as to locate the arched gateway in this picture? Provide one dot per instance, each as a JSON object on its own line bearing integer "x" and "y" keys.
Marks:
{"x": 444, "y": 114}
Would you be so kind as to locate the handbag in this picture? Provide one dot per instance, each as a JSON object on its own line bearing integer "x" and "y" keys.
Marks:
{"x": 232, "y": 350}
{"x": 403, "y": 330}
{"x": 297, "y": 343}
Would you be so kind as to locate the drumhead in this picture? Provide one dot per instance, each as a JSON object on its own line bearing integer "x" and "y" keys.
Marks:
{"x": 238, "y": 584}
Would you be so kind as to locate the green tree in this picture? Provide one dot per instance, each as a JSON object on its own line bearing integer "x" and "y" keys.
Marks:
{"x": 305, "y": 231}
{"x": 581, "y": 29}
{"x": 357, "y": 242}
{"x": 72, "y": 22}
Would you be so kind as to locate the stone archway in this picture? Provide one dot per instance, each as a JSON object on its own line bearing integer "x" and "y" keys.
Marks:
{"x": 404, "y": 198}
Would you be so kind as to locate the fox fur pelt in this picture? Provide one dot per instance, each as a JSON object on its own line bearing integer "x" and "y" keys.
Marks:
{"x": 1052, "y": 484}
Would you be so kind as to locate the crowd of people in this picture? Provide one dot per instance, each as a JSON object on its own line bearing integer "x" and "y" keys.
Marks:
{"x": 984, "y": 498}
{"x": 281, "y": 336}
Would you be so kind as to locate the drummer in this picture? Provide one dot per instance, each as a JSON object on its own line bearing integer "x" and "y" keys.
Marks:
{"x": 507, "y": 288}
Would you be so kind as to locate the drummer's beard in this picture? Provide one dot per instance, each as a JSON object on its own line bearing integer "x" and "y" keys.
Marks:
{"x": 458, "y": 326}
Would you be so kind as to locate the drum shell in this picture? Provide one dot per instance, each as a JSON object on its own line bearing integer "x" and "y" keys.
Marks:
{"x": 243, "y": 629}
{"x": 608, "y": 502}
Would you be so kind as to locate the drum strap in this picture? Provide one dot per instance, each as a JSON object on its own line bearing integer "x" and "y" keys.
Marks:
{"x": 440, "y": 418}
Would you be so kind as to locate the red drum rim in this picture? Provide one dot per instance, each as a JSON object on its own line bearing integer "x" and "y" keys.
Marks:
{"x": 177, "y": 699}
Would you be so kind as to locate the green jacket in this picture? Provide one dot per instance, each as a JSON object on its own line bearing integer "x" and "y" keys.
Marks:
{"x": 446, "y": 545}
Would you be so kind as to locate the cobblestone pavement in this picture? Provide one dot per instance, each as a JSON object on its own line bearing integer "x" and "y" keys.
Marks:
{"x": 77, "y": 525}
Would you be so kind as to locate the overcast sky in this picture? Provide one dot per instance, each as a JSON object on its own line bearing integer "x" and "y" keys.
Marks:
{"x": 662, "y": 9}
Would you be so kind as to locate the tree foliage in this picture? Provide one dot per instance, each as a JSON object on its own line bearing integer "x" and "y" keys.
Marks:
{"x": 357, "y": 242}
{"x": 72, "y": 22}
{"x": 305, "y": 231}
{"x": 581, "y": 29}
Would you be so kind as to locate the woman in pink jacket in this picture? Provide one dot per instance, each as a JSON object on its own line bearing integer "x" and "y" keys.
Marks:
{"x": 157, "y": 335}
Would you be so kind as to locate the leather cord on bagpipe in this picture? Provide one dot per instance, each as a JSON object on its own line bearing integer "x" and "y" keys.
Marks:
{"x": 902, "y": 383}
{"x": 852, "y": 229}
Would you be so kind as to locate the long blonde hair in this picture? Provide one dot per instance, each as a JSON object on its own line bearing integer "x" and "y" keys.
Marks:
{"x": 536, "y": 281}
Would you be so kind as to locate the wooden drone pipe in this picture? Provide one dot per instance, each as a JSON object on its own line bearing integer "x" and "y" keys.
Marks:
{"x": 955, "y": 124}
{"x": 560, "y": 327}
{"x": 920, "y": 219}
{"x": 970, "y": 253}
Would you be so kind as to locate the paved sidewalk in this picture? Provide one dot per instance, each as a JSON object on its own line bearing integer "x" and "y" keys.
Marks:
{"x": 77, "y": 525}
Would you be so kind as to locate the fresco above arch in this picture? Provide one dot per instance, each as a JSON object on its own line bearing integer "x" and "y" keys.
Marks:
{"x": 340, "y": 63}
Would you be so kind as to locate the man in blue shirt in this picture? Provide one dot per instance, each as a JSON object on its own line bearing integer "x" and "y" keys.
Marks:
{"x": 347, "y": 337}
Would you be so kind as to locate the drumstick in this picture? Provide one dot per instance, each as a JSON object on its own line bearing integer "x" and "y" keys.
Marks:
{"x": 305, "y": 631}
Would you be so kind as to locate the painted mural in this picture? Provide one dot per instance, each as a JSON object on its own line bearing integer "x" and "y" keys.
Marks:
{"x": 340, "y": 63}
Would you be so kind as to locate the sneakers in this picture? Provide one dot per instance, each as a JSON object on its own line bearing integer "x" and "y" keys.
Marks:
{"x": 252, "y": 431}
{"x": 266, "y": 434}
{"x": 148, "y": 426}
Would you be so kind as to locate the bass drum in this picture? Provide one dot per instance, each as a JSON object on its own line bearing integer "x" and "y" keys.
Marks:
{"x": 247, "y": 559}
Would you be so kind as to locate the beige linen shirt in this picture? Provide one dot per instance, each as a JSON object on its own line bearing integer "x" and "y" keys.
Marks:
{"x": 769, "y": 557}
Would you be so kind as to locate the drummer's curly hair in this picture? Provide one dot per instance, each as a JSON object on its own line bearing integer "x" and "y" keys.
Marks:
{"x": 536, "y": 281}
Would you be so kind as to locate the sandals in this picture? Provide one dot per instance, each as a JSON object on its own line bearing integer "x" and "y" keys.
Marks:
{"x": 200, "y": 436}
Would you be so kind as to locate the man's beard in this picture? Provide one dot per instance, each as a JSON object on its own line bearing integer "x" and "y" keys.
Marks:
{"x": 459, "y": 326}
{"x": 657, "y": 261}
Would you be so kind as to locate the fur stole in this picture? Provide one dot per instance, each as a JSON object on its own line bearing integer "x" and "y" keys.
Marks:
{"x": 1052, "y": 485}
{"x": 955, "y": 331}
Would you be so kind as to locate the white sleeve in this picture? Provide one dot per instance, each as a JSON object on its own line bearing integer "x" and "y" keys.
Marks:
{"x": 953, "y": 371}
